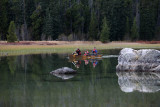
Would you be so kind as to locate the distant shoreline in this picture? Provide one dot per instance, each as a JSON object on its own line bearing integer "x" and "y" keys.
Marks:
{"x": 72, "y": 42}
{"x": 37, "y": 47}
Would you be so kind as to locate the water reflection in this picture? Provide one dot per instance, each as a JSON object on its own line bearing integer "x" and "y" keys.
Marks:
{"x": 64, "y": 76}
{"x": 148, "y": 82}
{"x": 94, "y": 62}
{"x": 64, "y": 73}
{"x": 26, "y": 81}
{"x": 77, "y": 63}
{"x": 11, "y": 64}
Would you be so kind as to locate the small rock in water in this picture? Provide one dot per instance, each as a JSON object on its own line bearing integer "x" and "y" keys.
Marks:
{"x": 64, "y": 70}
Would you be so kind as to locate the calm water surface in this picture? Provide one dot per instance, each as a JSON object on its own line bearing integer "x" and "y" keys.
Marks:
{"x": 25, "y": 82}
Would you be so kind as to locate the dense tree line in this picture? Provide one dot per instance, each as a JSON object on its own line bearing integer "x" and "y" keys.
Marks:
{"x": 81, "y": 19}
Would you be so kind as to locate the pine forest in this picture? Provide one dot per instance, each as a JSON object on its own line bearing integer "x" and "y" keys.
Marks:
{"x": 105, "y": 20}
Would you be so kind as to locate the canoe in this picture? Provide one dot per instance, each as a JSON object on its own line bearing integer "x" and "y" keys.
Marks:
{"x": 84, "y": 57}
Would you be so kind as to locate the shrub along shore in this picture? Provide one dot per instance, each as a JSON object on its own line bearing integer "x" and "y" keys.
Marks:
{"x": 37, "y": 47}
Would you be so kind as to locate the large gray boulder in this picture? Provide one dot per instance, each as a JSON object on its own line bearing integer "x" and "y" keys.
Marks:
{"x": 148, "y": 82}
{"x": 138, "y": 60}
{"x": 63, "y": 70}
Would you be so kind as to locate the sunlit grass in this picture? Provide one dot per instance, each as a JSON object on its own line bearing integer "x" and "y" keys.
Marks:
{"x": 68, "y": 48}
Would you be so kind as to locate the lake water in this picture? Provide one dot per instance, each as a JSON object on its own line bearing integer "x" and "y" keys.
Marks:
{"x": 25, "y": 81}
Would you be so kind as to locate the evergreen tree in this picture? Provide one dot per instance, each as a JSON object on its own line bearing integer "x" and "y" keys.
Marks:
{"x": 11, "y": 37}
{"x": 105, "y": 33}
{"x": 147, "y": 19}
{"x": 29, "y": 8}
{"x": 128, "y": 6}
{"x": 56, "y": 19}
{"x": 87, "y": 15}
{"x": 16, "y": 12}
{"x": 93, "y": 31}
{"x": 37, "y": 23}
{"x": 106, "y": 9}
{"x": 117, "y": 20}
{"x": 3, "y": 18}
{"x": 48, "y": 28}
{"x": 79, "y": 17}
{"x": 134, "y": 31}
{"x": 52, "y": 26}
{"x": 68, "y": 21}
{"x": 127, "y": 30}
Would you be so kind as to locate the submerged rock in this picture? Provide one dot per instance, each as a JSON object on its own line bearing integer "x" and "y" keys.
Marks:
{"x": 139, "y": 60}
{"x": 63, "y": 70}
{"x": 139, "y": 81}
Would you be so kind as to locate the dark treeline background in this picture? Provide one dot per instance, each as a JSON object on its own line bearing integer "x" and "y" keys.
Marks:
{"x": 81, "y": 19}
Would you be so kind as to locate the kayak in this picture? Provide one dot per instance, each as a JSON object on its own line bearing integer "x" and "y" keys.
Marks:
{"x": 85, "y": 57}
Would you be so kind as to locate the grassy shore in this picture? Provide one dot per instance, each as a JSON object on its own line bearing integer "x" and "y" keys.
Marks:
{"x": 21, "y": 48}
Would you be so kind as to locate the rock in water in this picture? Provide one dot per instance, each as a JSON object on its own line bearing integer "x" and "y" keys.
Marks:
{"x": 148, "y": 82}
{"x": 64, "y": 76}
{"x": 138, "y": 60}
{"x": 63, "y": 70}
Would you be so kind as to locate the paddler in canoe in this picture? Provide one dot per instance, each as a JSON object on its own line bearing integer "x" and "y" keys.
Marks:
{"x": 94, "y": 51}
{"x": 86, "y": 53}
{"x": 77, "y": 52}
{"x": 78, "y": 56}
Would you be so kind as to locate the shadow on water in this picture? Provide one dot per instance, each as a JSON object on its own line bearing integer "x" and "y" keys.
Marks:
{"x": 25, "y": 81}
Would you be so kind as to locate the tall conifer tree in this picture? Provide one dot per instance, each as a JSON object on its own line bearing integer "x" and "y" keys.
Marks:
{"x": 11, "y": 37}
{"x": 93, "y": 31}
{"x": 134, "y": 31}
{"x": 37, "y": 23}
{"x": 3, "y": 18}
{"x": 105, "y": 33}
{"x": 48, "y": 28}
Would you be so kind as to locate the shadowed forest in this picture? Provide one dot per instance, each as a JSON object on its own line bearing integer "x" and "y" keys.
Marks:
{"x": 105, "y": 20}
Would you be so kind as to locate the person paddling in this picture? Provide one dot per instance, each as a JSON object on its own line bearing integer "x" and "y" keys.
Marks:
{"x": 78, "y": 51}
{"x": 86, "y": 53}
{"x": 94, "y": 51}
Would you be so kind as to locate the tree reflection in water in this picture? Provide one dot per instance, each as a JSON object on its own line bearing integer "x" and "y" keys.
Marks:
{"x": 26, "y": 81}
